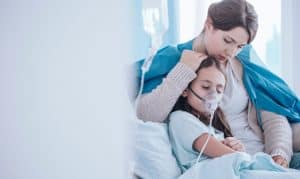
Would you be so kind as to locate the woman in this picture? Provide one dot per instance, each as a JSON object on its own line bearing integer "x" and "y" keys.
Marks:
{"x": 230, "y": 25}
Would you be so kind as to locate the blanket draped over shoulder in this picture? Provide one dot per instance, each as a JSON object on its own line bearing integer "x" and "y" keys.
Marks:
{"x": 266, "y": 90}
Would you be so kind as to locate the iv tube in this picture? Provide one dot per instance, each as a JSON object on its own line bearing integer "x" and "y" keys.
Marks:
{"x": 156, "y": 23}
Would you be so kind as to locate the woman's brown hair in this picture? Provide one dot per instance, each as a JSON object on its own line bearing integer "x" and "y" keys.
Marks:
{"x": 219, "y": 121}
{"x": 228, "y": 14}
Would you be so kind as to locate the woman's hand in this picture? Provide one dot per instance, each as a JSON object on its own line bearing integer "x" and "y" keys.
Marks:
{"x": 280, "y": 160}
{"x": 192, "y": 59}
{"x": 234, "y": 144}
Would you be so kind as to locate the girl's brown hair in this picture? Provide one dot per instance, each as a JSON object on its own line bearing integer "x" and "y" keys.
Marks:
{"x": 228, "y": 14}
{"x": 219, "y": 121}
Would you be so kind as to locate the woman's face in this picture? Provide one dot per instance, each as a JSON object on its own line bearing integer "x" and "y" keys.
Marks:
{"x": 224, "y": 45}
{"x": 209, "y": 81}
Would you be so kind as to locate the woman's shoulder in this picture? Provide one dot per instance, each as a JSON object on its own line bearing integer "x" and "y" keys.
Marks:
{"x": 237, "y": 67}
{"x": 175, "y": 51}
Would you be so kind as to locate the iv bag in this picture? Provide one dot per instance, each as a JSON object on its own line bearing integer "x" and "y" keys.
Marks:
{"x": 155, "y": 20}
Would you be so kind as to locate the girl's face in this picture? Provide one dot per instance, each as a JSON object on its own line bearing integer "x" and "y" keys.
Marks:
{"x": 209, "y": 80}
{"x": 224, "y": 45}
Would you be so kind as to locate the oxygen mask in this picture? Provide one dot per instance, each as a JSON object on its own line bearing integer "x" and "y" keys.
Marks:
{"x": 211, "y": 100}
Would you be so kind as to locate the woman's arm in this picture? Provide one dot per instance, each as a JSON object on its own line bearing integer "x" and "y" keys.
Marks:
{"x": 277, "y": 135}
{"x": 156, "y": 105}
{"x": 214, "y": 148}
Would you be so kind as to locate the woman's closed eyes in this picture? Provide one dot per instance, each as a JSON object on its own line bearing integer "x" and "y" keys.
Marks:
{"x": 229, "y": 40}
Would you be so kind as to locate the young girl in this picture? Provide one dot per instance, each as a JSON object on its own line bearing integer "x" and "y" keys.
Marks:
{"x": 190, "y": 119}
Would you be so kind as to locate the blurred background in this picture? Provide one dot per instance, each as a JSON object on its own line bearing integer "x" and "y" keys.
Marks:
{"x": 63, "y": 99}
{"x": 64, "y": 107}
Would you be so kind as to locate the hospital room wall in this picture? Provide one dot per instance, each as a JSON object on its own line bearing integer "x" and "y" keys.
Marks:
{"x": 290, "y": 40}
{"x": 296, "y": 58}
{"x": 63, "y": 103}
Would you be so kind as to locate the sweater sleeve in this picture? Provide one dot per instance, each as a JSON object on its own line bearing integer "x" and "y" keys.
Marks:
{"x": 156, "y": 105}
{"x": 277, "y": 135}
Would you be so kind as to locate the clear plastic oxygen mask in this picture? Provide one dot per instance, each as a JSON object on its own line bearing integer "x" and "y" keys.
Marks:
{"x": 210, "y": 101}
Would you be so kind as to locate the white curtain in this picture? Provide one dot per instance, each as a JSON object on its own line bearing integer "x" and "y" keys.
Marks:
{"x": 290, "y": 46}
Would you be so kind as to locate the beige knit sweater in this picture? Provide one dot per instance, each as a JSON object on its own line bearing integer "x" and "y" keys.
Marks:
{"x": 156, "y": 106}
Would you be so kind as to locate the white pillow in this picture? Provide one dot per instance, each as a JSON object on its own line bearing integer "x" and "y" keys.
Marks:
{"x": 153, "y": 152}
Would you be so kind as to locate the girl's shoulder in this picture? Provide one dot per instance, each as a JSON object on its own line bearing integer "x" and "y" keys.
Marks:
{"x": 182, "y": 118}
{"x": 179, "y": 114}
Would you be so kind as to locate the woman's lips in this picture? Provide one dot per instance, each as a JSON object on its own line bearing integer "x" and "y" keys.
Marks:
{"x": 221, "y": 58}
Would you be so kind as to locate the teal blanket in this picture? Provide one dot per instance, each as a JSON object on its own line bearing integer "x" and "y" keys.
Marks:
{"x": 240, "y": 166}
{"x": 266, "y": 90}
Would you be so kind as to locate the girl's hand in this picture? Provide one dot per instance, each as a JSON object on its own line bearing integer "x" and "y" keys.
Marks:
{"x": 280, "y": 160}
{"x": 192, "y": 59}
{"x": 234, "y": 144}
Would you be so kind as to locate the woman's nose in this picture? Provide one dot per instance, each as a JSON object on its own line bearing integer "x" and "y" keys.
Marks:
{"x": 231, "y": 51}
